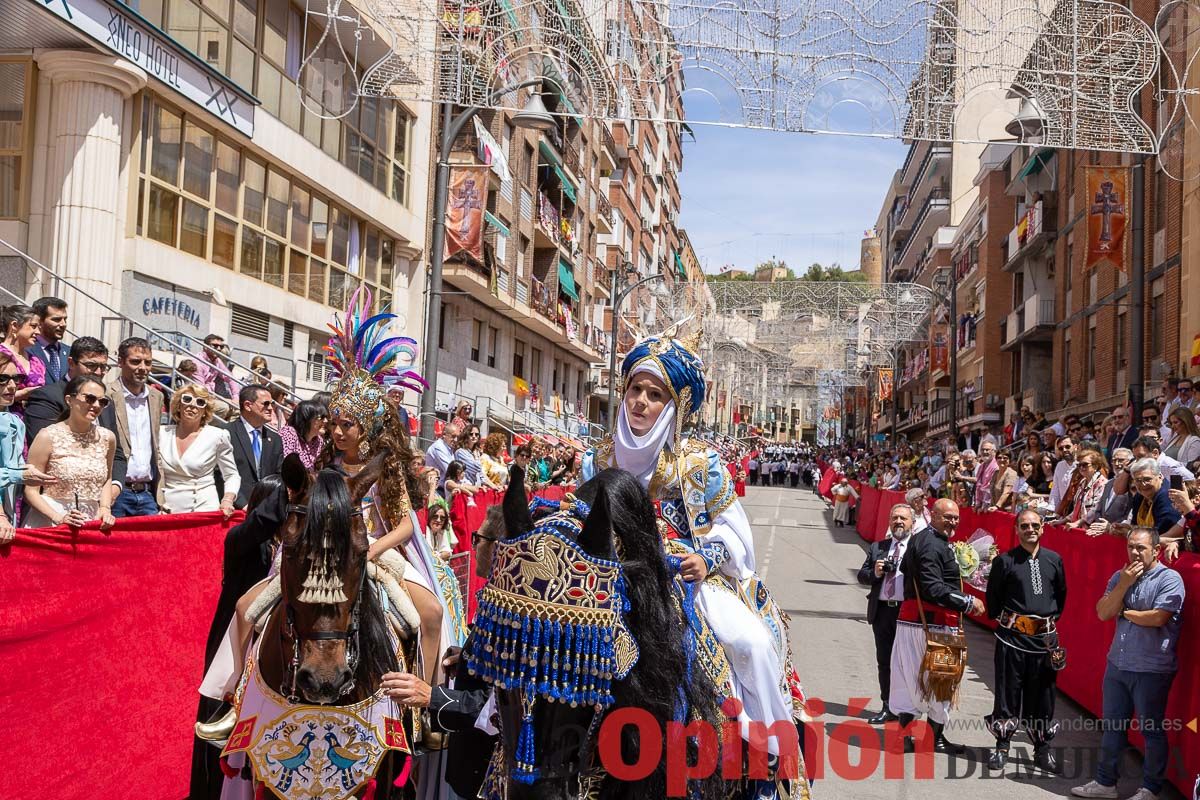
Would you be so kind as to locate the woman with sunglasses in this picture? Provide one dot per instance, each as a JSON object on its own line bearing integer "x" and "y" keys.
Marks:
{"x": 13, "y": 469}
{"x": 438, "y": 530}
{"x": 18, "y": 327}
{"x": 78, "y": 452}
{"x": 1183, "y": 444}
{"x": 304, "y": 433}
{"x": 191, "y": 449}
{"x": 469, "y": 453}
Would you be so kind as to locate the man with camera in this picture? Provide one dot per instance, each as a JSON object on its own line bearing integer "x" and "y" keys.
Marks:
{"x": 1026, "y": 594}
{"x": 881, "y": 571}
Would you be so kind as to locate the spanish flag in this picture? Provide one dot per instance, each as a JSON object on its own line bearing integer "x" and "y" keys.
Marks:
{"x": 1196, "y": 350}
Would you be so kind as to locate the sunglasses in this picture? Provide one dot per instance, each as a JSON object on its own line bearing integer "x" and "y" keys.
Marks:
{"x": 90, "y": 399}
{"x": 193, "y": 401}
{"x": 1029, "y": 526}
{"x": 19, "y": 380}
{"x": 94, "y": 366}
{"x": 1149, "y": 417}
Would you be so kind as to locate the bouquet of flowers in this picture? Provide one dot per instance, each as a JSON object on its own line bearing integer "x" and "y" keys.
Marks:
{"x": 974, "y": 558}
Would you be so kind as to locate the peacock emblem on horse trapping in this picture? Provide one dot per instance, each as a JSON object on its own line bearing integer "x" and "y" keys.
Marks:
{"x": 316, "y": 753}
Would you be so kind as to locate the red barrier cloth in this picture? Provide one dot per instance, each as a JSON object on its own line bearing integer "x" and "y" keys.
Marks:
{"x": 101, "y": 653}
{"x": 826, "y": 485}
{"x": 868, "y": 502}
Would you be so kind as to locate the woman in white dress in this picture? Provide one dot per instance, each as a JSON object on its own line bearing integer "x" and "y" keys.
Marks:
{"x": 191, "y": 449}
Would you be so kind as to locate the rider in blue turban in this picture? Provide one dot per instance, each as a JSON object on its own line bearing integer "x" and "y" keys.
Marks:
{"x": 663, "y": 390}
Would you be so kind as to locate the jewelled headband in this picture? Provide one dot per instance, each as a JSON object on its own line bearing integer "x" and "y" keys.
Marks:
{"x": 368, "y": 362}
{"x": 551, "y": 624}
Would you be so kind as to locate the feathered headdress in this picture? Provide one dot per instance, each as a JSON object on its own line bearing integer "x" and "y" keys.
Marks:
{"x": 368, "y": 362}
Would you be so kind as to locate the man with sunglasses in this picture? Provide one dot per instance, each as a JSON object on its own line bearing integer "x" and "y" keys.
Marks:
{"x": 88, "y": 356}
{"x": 1026, "y": 594}
{"x": 134, "y": 414}
{"x": 1126, "y": 430}
{"x": 213, "y": 368}
{"x": 257, "y": 449}
{"x": 1185, "y": 396}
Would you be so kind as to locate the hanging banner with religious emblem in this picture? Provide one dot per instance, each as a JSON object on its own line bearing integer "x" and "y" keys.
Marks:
{"x": 939, "y": 350}
{"x": 1107, "y": 211}
{"x": 464, "y": 211}
{"x": 885, "y": 384}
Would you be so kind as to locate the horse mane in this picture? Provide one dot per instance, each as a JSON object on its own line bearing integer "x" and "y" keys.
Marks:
{"x": 662, "y": 680}
{"x": 330, "y": 504}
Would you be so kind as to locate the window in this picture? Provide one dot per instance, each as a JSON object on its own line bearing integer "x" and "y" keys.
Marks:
{"x": 518, "y": 359}
{"x": 442, "y": 327}
{"x": 1066, "y": 368}
{"x": 476, "y": 339}
{"x": 13, "y": 134}
{"x": 535, "y": 362}
{"x": 1091, "y": 356}
{"x": 204, "y": 196}
{"x": 1119, "y": 337}
{"x": 1070, "y": 268}
{"x": 493, "y": 343}
{"x": 554, "y": 376}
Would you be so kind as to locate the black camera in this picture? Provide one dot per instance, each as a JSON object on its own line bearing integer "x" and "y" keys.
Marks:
{"x": 889, "y": 565}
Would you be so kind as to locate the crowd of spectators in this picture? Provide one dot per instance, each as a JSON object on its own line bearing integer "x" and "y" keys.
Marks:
{"x": 86, "y": 435}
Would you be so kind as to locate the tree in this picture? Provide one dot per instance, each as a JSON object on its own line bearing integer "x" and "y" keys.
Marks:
{"x": 821, "y": 274}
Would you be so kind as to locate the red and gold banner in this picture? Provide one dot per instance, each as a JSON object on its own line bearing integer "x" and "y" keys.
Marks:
{"x": 464, "y": 210}
{"x": 1107, "y": 210}
{"x": 939, "y": 351}
{"x": 885, "y": 384}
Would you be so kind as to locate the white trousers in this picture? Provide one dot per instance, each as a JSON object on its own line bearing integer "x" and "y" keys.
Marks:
{"x": 755, "y": 660}
{"x": 907, "y": 654}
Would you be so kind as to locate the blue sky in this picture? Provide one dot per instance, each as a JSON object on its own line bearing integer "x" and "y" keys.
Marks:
{"x": 749, "y": 195}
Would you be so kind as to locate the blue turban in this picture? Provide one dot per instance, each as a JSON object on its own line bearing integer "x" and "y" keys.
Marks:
{"x": 681, "y": 368}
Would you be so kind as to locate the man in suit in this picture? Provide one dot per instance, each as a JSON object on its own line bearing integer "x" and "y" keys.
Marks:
{"x": 49, "y": 348}
{"x": 1127, "y": 434}
{"x": 88, "y": 356}
{"x": 134, "y": 412}
{"x": 969, "y": 440}
{"x": 881, "y": 571}
{"x": 257, "y": 449}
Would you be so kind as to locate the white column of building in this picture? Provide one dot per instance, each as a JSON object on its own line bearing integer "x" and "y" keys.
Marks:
{"x": 84, "y": 168}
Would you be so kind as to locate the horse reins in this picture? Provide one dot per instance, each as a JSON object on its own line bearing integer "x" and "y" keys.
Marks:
{"x": 350, "y": 635}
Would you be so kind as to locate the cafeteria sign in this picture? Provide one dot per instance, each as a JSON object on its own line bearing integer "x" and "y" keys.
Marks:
{"x": 135, "y": 39}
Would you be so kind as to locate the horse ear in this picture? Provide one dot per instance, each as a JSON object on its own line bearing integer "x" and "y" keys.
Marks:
{"x": 295, "y": 476}
{"x": 596, "y": 538}
{"x": 517, "y": 519}
{"x": 360, "y": 484}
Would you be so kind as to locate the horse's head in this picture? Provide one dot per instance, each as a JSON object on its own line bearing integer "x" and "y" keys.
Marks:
{"x": 550, "y": 636}
{"x": 322, "y": 574}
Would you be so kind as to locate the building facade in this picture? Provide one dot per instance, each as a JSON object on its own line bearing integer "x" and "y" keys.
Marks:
{"x": 163, "y": 165}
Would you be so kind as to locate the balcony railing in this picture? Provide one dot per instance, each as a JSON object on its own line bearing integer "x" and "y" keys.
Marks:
{"x": 604, "y": 208}
{"x": 940, "y": 197}
{"x": 606, "y": 139}
{"x": 1037, "y": 220}
{"x": 572, "y": 159}
{"x": 1037, "y": 310}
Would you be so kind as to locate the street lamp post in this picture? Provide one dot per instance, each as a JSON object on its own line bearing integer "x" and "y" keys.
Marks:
{"x": 534, "y": 116}
{"x": 619, "y": 293}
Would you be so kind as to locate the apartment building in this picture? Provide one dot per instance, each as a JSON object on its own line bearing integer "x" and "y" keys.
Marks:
{"x": 159, "y": 158}
{"x": 526, "y": 331}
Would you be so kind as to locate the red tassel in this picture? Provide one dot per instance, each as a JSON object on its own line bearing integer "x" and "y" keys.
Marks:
{"x": 369, "y": 791}
{"x": 260, "y": 793}
{"x": 227, "y": 770}
{"x": 405, "y": 771}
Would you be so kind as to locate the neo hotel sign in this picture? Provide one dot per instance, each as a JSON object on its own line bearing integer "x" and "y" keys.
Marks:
{"x": 124, "y": 32}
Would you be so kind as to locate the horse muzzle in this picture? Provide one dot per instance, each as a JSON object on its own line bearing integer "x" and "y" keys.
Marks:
{"x": 324, "y": 686}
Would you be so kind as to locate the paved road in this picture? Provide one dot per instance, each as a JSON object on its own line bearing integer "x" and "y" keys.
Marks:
{"x": 811, "y": 566}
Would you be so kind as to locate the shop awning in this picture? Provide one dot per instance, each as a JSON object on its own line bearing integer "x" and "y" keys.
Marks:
{"x": 1035, "y": 164}
{"x": 567, "y": 188}
{"x": 679, "y": 266}
{"x": 566, "y": 280}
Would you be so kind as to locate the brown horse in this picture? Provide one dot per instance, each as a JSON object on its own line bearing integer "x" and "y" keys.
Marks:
{"x": 327, "y": 640}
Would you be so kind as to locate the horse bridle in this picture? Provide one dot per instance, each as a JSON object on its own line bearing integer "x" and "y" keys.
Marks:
{"x": 350, "y": 635}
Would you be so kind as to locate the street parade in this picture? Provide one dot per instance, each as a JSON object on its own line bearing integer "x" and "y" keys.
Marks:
{"x": 587, "y": 401}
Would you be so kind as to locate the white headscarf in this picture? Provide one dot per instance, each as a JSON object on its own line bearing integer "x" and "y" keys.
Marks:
{"x": 639, "y": 454}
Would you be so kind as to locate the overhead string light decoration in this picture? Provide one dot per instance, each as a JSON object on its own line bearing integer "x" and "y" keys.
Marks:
{"x": 938, "y": 70}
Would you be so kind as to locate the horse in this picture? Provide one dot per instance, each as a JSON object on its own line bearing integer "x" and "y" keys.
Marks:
{"x": 328, "y": 642}
{"x": 663, "y": 679}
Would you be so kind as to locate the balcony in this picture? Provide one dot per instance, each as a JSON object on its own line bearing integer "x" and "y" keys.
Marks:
{"x": 608, "y": 149}
{"x": 1033, "y": 231}
{"x": 604, "y": 212}
{"x": 1032, "y": 321}
{"x": 935, "y": 213}
{"x": 530, "y": 305}
{"x": 923, "y": 182}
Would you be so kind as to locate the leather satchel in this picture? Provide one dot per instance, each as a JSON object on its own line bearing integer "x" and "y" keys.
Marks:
{"x": 944, "y": 662}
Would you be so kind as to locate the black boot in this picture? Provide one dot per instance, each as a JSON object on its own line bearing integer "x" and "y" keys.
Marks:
{"x": 905, "y": 720}
{"x": 884, "y": 716}
{"x": 999, "y": 755}
{"x": 1045, "y": 759}
{"x": 943, "y": 745}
